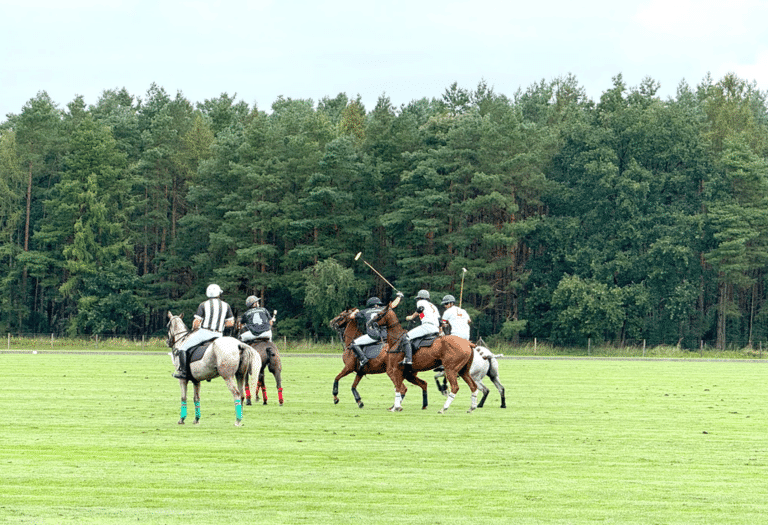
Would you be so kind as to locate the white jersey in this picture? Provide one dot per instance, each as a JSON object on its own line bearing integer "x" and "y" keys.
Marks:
{"x": 459, "y": 320}
{"x": 429, "y": 314}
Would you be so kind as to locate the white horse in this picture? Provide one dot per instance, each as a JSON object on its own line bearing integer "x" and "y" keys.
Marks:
{"x": 227, "y": 357}
{"x": 484, "y": 363}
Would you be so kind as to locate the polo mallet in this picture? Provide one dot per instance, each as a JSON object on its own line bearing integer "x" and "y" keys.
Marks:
{"x": 461, "y": 293}
{"x": 374, "y": 271}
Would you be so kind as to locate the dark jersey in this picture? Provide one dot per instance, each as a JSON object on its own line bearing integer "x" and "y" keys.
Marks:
{"x": 256, "y": 320}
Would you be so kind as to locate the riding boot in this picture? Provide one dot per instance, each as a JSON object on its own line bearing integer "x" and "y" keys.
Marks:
{"x": 181, "y": 373}
{"x": 360, "y": 356}
{"x": 408, "y": 347}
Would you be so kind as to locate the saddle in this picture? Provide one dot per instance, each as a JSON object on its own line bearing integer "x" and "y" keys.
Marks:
{"x": 417, "y": 343}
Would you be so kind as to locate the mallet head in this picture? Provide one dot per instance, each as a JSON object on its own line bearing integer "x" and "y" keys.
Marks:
{"x": 358, "y": 255}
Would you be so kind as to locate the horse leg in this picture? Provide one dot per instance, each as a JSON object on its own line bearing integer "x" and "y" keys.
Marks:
{"x": 493, "y": 374}
{"x": 411, "y": 376}
{"x": 467, "y": 377}
{"x": 279, "y": 384}
{"x": 485, "y": 391}
{"x": 346, "y": 371}
{"x": 183, "y": 415}
{"x": 237, "y": 397}
{"x": 451, "y": 376}
{"x": 355, "y": 393}
{"x": 400, "y": 388}
{"x": 197, "y": 403}
{"x": 263, "y": 385}
{"x": 247, "y": 391}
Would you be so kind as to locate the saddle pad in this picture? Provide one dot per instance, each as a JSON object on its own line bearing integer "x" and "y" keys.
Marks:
{"x": 424, "y": 341}
{"x": 197, "y": 352}
{"x": 373, "y": 350}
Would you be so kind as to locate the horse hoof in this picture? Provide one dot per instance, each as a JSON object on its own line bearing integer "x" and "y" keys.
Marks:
{"x": 281, "y": 403}
{"x": 335, "y": 400}
{"x": 181, "y": 421}
{"x": 248, "y": 401}
{"x": 424, "y": 407}
{"x": 396, "y": 409}
{"x": 197, "y": 421}
{"x": 238, "y": 423}
{"x": 360, "y": 404}
{"x": 442, "y": 411}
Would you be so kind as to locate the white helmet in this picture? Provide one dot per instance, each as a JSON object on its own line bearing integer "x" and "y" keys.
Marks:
{"x": 213, "y": 290}
{"x": 423, "y": 294}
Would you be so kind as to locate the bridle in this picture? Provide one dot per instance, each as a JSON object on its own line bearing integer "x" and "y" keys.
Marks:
{"x": 173, "y": 337}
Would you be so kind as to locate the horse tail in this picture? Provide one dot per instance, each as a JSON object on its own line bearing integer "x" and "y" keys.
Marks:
{"x": 247, "y": 357}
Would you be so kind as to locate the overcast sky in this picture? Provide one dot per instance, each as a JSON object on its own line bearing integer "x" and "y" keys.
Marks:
{"x": 405, "y": 49}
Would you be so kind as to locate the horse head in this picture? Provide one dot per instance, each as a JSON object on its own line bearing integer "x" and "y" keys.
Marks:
{"x": 343, "y": 324}
{"x": 176, "y": 329}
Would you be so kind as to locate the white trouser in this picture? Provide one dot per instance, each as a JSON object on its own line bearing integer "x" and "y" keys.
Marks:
{"x": 364, "y": 339}
{"x": 197, "y": 337}
{"x": 461, "y": 331}
{"x": 422, "y": 330}
{"x": 248, "y": 336}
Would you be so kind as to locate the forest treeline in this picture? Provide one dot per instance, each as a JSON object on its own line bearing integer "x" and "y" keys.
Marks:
{"x": 626, "y": 218}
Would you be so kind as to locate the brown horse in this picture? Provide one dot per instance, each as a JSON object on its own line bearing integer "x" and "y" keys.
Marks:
{"x": 270, "y": 359}
{"x": 453, "y": 352}
{"x": 345, "y": 324}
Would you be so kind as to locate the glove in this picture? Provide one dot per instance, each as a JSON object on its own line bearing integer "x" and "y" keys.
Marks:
{"x": 399, "y": 294}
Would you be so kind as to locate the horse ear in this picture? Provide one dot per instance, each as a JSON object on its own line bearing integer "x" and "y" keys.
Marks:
{"x": 181, "y": 316}
{"x": 169, "y": 314}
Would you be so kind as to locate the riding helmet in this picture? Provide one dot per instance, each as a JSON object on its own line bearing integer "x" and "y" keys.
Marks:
{"x": 213, "y": 290}
{"x": 251, "y": 300}
{"x": 374, "y": 301}
{"x": 423, "y": 294}
{"x": 448, "y": 299}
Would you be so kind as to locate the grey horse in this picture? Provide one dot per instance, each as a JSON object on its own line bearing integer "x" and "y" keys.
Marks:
{"x": 225, "y": 356}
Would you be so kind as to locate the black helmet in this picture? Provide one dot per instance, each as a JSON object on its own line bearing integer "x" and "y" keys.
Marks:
{"x": 374, "y": 301}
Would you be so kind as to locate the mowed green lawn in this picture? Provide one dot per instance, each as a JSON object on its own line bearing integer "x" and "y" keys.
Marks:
{"x": 94, "y": 439}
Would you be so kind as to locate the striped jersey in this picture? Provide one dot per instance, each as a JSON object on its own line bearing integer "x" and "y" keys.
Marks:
{"x": 214, "y": 312}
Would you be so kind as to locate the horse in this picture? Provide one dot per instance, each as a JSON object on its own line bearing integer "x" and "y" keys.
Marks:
{"x": 345, "y": 325}
{"x": 484, "y": 363}
{"x": 270, "y": 357}
{"x": 453, "y": 352}
{"x": 225, "y": 356}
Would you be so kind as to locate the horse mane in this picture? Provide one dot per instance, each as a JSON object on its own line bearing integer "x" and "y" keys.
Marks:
{"x": 395, "y": 330}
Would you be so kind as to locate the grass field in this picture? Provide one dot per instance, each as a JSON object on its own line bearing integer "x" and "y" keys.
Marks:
{"x": 94, "y": 439}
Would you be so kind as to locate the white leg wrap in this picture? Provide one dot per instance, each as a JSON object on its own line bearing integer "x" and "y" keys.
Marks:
{"x": 474, "y": 400}
{"x": 449, "y": 400}
{"x": 398, "y": 400}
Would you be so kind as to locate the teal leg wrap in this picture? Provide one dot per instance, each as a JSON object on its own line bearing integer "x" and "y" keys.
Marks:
{"x": 239, "y": 409}
{"x": 197, "y": 409}
{"x": 183, "y": 409}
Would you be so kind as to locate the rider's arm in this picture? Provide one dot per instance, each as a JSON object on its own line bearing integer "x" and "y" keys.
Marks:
{"x": 196, "y": 323}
